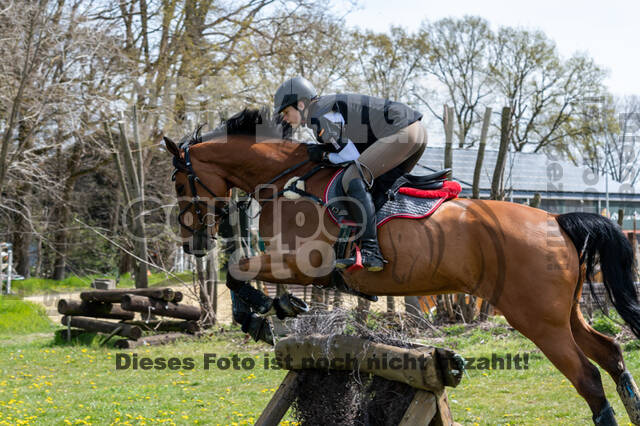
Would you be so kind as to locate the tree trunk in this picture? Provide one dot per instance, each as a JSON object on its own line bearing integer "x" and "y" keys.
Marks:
{"x": 620, "y": 217}
{"x": 22, "y": 240}
{"x": 137, "y": 192}
{"x": 32, "y": 51}
{"x": 62, "y": 234}
{"x": 38, "y": 268}
{"x": 207, "y": 313}
{"x": 475, "y": 190}
{"x": 485, "y": 308}
{"x": 498, "y": 172}
{"x": 362, "y": 311}
{"x": 63, "y": 209}
{"x": 448, "y": 131}
{"x": 391, "y": 304}
{"x": 125, "y": 264}
{"x": 317, "y": 299}
{"x": 412, "y": 306}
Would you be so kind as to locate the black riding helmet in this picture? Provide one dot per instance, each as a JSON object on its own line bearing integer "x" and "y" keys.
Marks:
{"x": 291, "y": 91}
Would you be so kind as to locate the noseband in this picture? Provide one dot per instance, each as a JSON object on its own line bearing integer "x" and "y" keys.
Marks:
{"x": 187, "y": 167}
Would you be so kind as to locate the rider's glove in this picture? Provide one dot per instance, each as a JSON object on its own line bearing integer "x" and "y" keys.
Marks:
{"x": 317, "y": 152}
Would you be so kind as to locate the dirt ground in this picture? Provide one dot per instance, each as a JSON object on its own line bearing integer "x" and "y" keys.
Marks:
{"x": 50, "y": 301}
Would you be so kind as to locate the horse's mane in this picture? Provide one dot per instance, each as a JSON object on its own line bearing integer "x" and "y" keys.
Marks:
{"x": 251, "y": 122}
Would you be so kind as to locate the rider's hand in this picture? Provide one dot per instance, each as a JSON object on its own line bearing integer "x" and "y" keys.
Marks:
{"x": 316, "y": 152}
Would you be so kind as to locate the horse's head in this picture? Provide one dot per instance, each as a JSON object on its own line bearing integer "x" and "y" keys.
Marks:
{"x": 202, "y": 198}
{"x": 202, "y": 190}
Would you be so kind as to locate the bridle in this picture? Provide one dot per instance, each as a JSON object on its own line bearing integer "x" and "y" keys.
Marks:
{"x": 195, "y": 202}
{"x": 195, "y": 199}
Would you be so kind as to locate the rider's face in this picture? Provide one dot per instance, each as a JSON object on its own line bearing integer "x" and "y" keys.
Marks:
{"x": 292, "y": 115}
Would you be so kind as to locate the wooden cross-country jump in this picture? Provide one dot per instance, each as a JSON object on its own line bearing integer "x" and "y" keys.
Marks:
{"x": 427, "y": 369}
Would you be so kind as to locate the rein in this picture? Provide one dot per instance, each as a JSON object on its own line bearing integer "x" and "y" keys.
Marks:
{"x": 304, "y": 177}
{"x": 286, "y": 172}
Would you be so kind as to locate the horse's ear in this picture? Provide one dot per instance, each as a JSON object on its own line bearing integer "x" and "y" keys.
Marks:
{"x": 171, "y": 146}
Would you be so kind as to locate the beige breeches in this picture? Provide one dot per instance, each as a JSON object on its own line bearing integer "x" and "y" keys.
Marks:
{"x": 402, "y": 148}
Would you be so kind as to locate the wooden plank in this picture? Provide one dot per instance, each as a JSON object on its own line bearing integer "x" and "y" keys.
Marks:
{"x": 448, "y": 363}
{"x": 444, "y": 416}
{"x": 146, "y": 305}
{"x": 280, "y": 402}
{"x": 115, "y": 296}
{"x": 156, "y": 340}
{"x": 421, "y": 411}
{"x": 190, "y": 327}
{"x": 91, "y": 324}
{"x": 417, "y": 367}
{"x": 96, "y": 310}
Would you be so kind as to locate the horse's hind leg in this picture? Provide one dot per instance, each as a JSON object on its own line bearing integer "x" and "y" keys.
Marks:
{"x": 607, "y": 353}
{"x": 559, "y": 346}
{"x": 552, "y": 334}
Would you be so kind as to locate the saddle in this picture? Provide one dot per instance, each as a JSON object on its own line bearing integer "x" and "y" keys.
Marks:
{"x": 407, "y": 196}
{"x": 402, "y": 196}
{"x": 395, "y": 195}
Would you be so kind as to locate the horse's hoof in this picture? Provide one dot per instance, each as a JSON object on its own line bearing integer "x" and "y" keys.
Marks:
{"x": 288, "y": 305}
{"x": 607, "y": 417}
{"x": 259, "y": 329}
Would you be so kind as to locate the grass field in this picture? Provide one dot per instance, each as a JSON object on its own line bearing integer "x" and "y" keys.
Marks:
{"x": 47, "y": 383}
{"x": 20, "y": 317}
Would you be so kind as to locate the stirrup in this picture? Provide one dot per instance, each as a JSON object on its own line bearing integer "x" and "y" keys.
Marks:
{"x": 373, "y": 261}
{"x": 369, "y": 260}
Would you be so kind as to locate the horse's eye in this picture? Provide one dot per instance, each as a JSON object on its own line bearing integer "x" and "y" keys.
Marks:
{"x": 180, "y": 189}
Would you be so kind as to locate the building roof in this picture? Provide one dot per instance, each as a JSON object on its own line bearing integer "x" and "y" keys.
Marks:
{"x": 526, "y": 174}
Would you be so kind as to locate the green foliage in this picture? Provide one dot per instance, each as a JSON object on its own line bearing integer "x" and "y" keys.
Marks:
{"x": 499, "y": 320}
{"x": 373, "y": 320}
{"x": 454, "y": 330}
{"x": 20, "y": 317}
{"x": 633, "y": 345}
{"x": 605, "y": 325}
{"x": 41, "y": 285}
{"x": 479, "y": 336}
{"x": 88, "y": 338}
{"x": 499, "y": 331}
{"x": 74, "y": 283}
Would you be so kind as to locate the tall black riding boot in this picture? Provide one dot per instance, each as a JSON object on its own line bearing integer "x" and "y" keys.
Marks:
{"x": 363, "y": 213}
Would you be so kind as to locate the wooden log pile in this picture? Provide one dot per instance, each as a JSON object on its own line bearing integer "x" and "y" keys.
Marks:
{"x": 96, "y": 306}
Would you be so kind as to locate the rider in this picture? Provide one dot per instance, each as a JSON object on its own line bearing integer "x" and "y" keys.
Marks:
{"x": 375, "y": 134}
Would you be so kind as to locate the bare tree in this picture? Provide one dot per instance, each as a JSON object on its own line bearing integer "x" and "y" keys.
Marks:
{"x": 388, "y": 62}
{"x": 458, "y": 55}
{"x": 613, "y": 146}
{"x": 544, "y": 92}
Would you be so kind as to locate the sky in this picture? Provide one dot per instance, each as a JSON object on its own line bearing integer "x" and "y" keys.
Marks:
{"x": 609, "y": 31}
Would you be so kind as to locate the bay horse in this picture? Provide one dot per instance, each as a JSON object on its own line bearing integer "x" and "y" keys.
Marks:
{"x": 530, "y": 264}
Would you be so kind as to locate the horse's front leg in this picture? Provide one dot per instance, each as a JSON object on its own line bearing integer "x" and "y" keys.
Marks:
{"x": 281, "y": 268}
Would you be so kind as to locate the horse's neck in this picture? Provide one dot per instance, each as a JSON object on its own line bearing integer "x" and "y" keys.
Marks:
{"x": 247, "y": 164}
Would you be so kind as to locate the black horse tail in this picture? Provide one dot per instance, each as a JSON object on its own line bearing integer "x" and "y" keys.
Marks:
{"x": 599, "y": 239}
